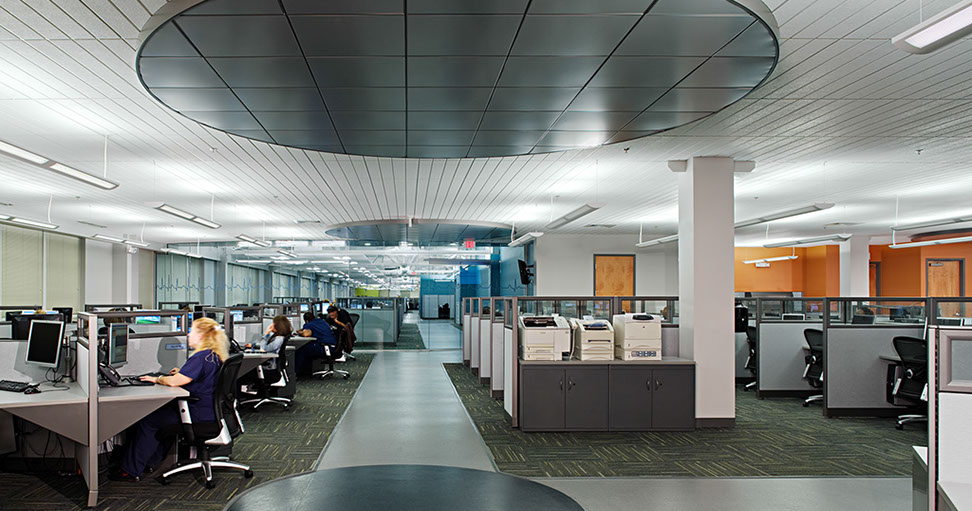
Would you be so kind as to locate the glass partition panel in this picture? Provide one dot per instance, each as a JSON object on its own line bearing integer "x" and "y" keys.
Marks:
{"x": 953, "y": 312}
{"x": 878, "y": 311}
{"x": 499, "y": 311}
{"x": 508, "y": 320}
{"x": 475, "y": 306}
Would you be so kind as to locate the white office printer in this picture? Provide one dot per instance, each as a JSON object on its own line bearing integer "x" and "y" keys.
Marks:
{"x": 637, "y": 337}
{"x": 593, "y": 339}
{"x": 544, "y": 337}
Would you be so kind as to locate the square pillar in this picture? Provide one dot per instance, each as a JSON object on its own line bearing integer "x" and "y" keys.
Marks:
{"x": 855, "y": 259}
{"x": 706, "y": 285}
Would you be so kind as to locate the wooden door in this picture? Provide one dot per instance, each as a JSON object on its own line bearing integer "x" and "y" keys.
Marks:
{"x": 614, "y": 275}
{"x": 874, "y": 272}
{"x": 944, "y": 278}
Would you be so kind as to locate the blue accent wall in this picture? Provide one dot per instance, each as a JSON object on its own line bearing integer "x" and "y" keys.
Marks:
{"x": 509, "y": 272}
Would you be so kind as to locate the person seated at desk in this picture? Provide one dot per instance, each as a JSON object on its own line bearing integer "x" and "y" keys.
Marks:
{"x": 320, "y": 330}
{"x": 343, "y": 329}
{"x": 278, "y": 331}
{"x": 110, "y": 320}
{"x": 198, "y": 376}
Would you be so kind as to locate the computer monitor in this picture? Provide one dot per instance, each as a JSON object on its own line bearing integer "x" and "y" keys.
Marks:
{"x": 20, "y": 324}
{"x": 237, "y": 316}
{"x": 525, "y": 273}
{"x": 67, "y": 313}
{"x": 148, "y": 320}
{"x": 44, "y": 342}
{"x": 304, "y": 307}
{"x": 117, "y": 344}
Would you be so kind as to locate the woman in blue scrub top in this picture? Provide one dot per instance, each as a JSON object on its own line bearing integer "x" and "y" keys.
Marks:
{"x": 198, "y": 376}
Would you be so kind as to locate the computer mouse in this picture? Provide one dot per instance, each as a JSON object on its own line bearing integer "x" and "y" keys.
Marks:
{"x": 32, "y": 390}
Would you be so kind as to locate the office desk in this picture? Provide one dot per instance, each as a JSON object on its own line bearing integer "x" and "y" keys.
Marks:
{"x": 299, "y": 342}
{"x": 252, "y": 360}
{"x": 919, "y": 479}
{"x": 57, "y": 410}
{"x": 120, "y": 407}
{"x": 953, "y": 496}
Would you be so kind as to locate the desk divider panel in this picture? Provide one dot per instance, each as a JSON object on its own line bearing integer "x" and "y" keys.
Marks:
{"x": 485, "y": 345}
{"x": 498, "y": 364}
{"x": 854, "y": 374}
{"x": 670, "y": 340}
{"x": 781, "y": 355}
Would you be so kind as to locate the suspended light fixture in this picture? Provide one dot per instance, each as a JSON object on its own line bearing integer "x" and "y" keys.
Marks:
{"x": 943, "y": 241}
{"x": 586, "y": 209}
{"x": 945, "y": 27}
{"x": 809, "y": 241}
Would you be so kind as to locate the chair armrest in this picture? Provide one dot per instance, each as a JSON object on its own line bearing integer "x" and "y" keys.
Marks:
{"x": 185, "y": 417}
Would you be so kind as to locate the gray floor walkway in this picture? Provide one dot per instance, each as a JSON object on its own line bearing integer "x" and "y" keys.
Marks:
{"x": 407, "y": 411}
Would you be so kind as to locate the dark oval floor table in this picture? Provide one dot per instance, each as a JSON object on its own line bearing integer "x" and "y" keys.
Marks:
{"x": 404, "y": 487}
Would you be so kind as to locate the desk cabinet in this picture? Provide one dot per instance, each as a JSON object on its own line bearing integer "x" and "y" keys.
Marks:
{"x": 579, "y": 396}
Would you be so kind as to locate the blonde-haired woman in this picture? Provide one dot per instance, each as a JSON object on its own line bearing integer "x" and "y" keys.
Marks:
{"x": 198, "y": 375}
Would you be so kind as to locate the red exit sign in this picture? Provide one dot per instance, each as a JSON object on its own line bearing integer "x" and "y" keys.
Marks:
{"x": 469, "y": 244}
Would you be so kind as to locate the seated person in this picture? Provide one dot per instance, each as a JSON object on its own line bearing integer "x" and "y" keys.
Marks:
{"x": 320, "y": 330}
{"x": 198, "y": 376}
{"x": 278, "y": 331}
{"x": 343, "y": 330}
{"x": 109, "y": 320}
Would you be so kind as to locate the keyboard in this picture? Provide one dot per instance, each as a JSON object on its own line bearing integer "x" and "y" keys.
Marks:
{"x": 155, "y": 375}
{"x": 13, "y": 386}
{"x": 135, "y": 382}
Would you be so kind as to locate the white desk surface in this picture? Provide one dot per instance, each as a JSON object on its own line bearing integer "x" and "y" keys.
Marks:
{"x": 137, "y": 393}
{"x": 890, "y": 357}
{"x": 921, "y": 452}
{"x": 47, "y": 397}
{"x": 958, "y": 495}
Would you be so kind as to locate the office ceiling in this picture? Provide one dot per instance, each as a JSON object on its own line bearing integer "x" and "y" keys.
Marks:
{"x": 434, "y": 79}
{"x": 839, "y": 120}
{"x": 419, "y": 231}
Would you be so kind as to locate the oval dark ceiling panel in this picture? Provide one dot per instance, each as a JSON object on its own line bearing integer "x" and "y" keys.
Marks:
{"x": 454, "y": 79}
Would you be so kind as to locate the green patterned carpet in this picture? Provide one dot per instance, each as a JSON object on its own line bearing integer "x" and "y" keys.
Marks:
{"x": 409, "y": 338}
{"x": 277, "y": 442}
{"x": 772, "y": 437}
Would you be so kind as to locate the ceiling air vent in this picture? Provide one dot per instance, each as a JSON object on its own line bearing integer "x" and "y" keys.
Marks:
{"x": 600, "y": 226}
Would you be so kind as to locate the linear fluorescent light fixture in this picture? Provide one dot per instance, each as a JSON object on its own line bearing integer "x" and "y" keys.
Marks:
{"x": 181, "y": 252}
{"x": 944, "y": 241}
{"x": 136, "y": 243}
{"x": 945, "y": 27}
{"x": 809, "y": 241}
{"x": 526, "y": 238}
{"x": 287, "y": 253}
{"x": 251, "y": 239}
{"x": 255, "y": 261}
{"x": 91, "y": 179}
{"x": 657, "y": 241}
{"x": 23, "y": 154}
{"x": 107, "y": 238}
{"x": 784, "y": 214}
{"x": 187, "y": 216}
{"x": 28, "y": 222}
{"x": 771, "y": 259}
{"x": 586, "y": 209}
{"x": 931, "y": 223}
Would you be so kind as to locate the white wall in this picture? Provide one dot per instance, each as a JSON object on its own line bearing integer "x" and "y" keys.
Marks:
{"x": 565, "y": 264}
{"x": 97, "y": 272}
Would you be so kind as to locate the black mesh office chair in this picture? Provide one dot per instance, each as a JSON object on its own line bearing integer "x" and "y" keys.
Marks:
{"x": 201, "y": 437}
{"x": 329, "y": 360}
{"x": 814, "y": 372}
{"x": 354, "y": 321}
{"x": 751, "y": 360}
{"x": 910, "y": 385}
{"x": 269, "y": 381}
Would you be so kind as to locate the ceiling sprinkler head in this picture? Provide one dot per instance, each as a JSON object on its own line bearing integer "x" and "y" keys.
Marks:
{"x": 918, "y": 151}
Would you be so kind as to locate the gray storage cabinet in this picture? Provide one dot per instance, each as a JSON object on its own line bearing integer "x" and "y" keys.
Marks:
{"x": 607, "y": 396}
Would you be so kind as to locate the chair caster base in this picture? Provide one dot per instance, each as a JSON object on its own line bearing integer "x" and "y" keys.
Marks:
{"x": 248, "y": 474}
{"x": 210, "y": 485}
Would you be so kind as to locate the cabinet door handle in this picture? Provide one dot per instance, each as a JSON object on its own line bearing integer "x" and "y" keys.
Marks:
{"x": 658, "y": 384}
{"x": 570, "y": 384}
{"x": 561, "y": 385}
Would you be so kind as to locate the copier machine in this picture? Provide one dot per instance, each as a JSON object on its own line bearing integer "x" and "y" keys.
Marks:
{"x": 544, "y": 337}
{"x": 593, "y": 339}
{"x": 637, "y": 337}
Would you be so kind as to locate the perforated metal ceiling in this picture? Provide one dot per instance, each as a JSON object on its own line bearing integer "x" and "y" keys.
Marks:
{"x": 454, "y": 78}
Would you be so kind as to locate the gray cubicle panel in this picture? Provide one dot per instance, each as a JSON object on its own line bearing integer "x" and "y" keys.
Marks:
{"x": 377, "y": 326}
{"x": 466, "y": 336}
{"x": 498, "y": 347}
{"x": 781, "y": 358}
{"x": 854, "y": 374}
{"x": 669, "y": 340}
{"x": 474, "y": 332}
{"x": 485, "y": 342}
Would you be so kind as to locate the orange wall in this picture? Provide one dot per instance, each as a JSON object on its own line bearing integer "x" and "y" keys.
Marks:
{"x": 815, "y": 272}
{"x": 903, "y": 269}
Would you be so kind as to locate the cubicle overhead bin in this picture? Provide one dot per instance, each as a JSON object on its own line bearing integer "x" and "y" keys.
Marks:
{"x": 485, "y": 340}
{"x": 949, "y": 464}
{"x": 466, "y": 335}
{"x": 781, "y": 344}
{"x": 380, "y": 319}
{"x": 474, "y": 332}
{"x": 498, "y": 345}
{"x": 857, "y": 351}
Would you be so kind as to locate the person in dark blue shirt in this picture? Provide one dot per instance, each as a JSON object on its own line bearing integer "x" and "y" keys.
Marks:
{"x": 320, "y": 330}
{"x": 198, "y": 376}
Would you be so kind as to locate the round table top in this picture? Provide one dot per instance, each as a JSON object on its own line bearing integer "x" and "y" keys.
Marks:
{"x": 402, "y": 487}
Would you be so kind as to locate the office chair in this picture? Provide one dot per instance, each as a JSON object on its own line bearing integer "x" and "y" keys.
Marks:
{"x": 814, "y": 373}
{"x": 201, "y": 437}
{"x": 279, "y": 378}
{"x": 911, "y": 385}
{"x": 329, "y": 358}
{"x": 751, "y": 360}
{"x": 354, "y": 321}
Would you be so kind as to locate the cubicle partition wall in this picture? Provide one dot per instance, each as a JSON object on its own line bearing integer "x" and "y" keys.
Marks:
{"x": 105, "y": 307}
{"x": 292, "y": 299}
{"x": 247, "y": 324}
{"x": 742, "y": 344}
{"x": 485, "y": 340}
{"x": 509, "y": 355}
{"x": 949, "y": 457}
{"x": 498, "y": 343}
{"x": 664, "y": 306}
{"x": 474, "y": 332}
{"x": 466, "y": 335}
{"x": 781, "y": 345}
{"x": 292, "y": 311}
{"x": 175, "y": 305}
{"x": 380, "y": 318}
{"x": 5, "y": 328}
{"x": 270, "y": 311}
{"x": 857, "y": 351}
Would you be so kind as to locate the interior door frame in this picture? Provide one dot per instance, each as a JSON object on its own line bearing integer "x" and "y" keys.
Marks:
{"x": 961, "y": 262}
{"x": 877, "y": 276}
{"x": 634, "y": 271}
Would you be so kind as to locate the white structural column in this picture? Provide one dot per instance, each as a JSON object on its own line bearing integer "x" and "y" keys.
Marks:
{"x": 706, "y": 283}
{"x": 854, "y": 266}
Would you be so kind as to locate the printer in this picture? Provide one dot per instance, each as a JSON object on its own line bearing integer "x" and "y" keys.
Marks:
{"x": 637, "y": 337}
{"x": 593, "y": 339}
{"x": 543, "y": 337}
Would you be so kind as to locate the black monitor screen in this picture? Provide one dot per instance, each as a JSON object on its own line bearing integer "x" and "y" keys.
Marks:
{"x": 118, "y": 345}
{"x": 20, "y": 324}
{"x": 524, "y": 272}
{"x": 44, "y": 342}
